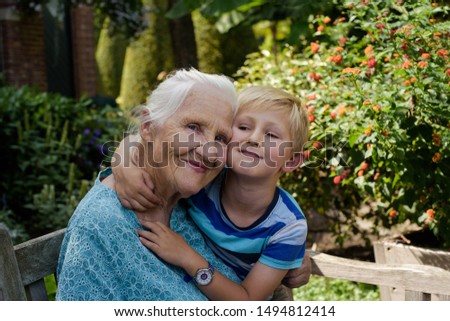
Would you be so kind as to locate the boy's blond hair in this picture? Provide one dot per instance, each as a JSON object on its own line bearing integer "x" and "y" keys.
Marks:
{"x": 270, "y": 98}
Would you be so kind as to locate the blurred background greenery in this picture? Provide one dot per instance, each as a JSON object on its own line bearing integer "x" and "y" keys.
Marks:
{"x": 373, "y": 74}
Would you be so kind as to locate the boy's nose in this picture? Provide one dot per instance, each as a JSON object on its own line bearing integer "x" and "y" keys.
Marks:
{"x": 252, "y": 143}
{"x": 254, "y": 139}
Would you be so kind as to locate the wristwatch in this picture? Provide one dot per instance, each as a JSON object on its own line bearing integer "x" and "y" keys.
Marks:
{"x": 203, "y": 276}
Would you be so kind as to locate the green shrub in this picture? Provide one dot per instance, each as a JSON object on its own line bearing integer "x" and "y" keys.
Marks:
{"x": 376, "y": 85}
{"x": 52, "y": 147}
{"x": 326, "y": 289}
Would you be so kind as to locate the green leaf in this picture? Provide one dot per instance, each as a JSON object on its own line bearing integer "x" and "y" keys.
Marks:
{"x": 183, "y": 7}
{"x": 218, "y": 7}
{"x": 353, "y": 138}
{"x": 229, "y": 20}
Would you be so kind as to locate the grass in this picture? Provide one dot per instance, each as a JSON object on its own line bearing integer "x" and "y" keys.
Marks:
{"x": 50, "y": 285}
{"x": 326, "y": 289}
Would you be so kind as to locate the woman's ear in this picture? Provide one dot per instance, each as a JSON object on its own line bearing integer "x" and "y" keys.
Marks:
{"x": 294, "y": 162}
{"x": 145, "y": 129}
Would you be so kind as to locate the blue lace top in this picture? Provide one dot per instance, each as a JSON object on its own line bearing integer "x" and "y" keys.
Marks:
{"x": 102, "y": 258}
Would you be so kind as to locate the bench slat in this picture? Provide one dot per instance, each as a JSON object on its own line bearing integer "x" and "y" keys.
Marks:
{"x": 36, "y": 291}
{"x": 11, "y": 287}
{"x": 38, "y": 257}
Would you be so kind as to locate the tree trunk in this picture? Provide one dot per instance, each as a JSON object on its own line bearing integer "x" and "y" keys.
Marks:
{"x": 183, "y": 41}
{"x": 110, "y": 55}
{"x": 147, "y": 59}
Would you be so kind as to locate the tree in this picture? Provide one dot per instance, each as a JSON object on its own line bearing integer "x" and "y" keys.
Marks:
{"x": 110, "y": 55}
{"x": 147, "y": 58}
{"x": 183, "y": 40}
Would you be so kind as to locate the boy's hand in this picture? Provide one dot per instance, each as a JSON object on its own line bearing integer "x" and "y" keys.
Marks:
{"x": 133, "y": 185}
{"x": 300, "y": 276}
{"x": 165, "y": 243}
{"x": 135, "y": 189}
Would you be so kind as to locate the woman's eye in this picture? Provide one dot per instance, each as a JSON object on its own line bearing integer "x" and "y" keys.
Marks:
{"x": 242, "y": 127}
{"x": 193, "y": 127}
{"x": 272, "y": 135}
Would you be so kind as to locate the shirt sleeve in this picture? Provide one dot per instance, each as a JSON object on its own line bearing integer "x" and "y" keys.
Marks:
{"x": 286, "y": 248}
{"x": 86, "y": 268}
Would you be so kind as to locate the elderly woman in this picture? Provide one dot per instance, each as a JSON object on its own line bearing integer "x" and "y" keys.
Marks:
{"x": 184, "y": 129}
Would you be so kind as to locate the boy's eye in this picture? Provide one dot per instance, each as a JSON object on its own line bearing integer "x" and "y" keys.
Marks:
{"x": 193, "y": 127}
{"x": 221, "y": 139}
{"x": 272, "y": 135}
{"x": 243, "y": 127}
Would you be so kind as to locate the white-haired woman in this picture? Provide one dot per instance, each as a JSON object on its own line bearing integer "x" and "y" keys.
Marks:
{"x": 182, "y": 139}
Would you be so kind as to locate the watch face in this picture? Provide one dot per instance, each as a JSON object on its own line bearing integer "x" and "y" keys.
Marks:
{"x": 204, "y": 276}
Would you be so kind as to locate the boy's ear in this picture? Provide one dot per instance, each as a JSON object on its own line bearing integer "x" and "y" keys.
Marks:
{"x": 294, "y": 163}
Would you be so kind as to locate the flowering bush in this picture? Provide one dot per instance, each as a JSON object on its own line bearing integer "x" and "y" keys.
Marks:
{"x": 376, "y": 84}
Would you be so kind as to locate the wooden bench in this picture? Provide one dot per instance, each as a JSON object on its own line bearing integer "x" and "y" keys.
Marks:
{"x": 23, "y": 268}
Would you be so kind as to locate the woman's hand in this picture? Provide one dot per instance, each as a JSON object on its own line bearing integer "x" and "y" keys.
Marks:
{"x": 165, "y": 243}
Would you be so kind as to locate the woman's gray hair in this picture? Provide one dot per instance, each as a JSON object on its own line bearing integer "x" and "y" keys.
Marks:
{"x": 165, "y": 100}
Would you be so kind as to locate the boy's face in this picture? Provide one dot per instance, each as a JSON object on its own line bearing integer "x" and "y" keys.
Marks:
{"x": 261, "y": 143}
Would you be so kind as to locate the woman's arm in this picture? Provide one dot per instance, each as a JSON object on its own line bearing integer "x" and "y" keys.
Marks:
{"x": 173, "y": 249}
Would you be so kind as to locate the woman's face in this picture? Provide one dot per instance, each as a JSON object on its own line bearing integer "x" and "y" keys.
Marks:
{"x": 189, "y": 149}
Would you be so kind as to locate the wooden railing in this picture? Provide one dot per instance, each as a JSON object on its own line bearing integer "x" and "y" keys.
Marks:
{"x": 24, "y": 266}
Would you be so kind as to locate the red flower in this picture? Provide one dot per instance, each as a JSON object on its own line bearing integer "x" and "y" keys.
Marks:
{"x": 337, "y": 59}
{"x": 368, "y": 50}
{"x": 406, "y": 64}
{"x": 353, "y": 71}
{"x": 314, "y": 47}
{"x": 326, "y": 20}
{"x": 422, "y": 64}
{"x": 342, "y": 41}
{"x": 436, "y": 157}
{"x": 314, "y": 76}
{"x": 436, "y": 139}
{"x": 372, "y": 63}
{"x": 443, "y": 53}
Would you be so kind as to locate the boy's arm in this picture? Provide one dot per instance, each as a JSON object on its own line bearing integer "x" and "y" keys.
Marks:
{"x": 173, "y": 249}
{"x": 133, "y": 184}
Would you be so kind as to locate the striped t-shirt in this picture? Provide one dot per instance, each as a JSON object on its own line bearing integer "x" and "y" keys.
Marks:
{"x": 277, "y": 239}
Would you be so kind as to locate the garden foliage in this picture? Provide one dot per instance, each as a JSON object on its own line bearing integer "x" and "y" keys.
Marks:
{"x": 375, "y": 81}
{"x": 52, "y": 148}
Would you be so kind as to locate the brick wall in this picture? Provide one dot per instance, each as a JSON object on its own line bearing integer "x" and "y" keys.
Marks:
{"x": 22, "y": 50}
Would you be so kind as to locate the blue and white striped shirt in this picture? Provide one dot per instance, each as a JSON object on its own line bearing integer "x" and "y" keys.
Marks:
{"x": 277, "y": 239}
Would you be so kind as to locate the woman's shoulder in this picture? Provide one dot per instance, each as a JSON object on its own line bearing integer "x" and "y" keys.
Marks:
{"x": 99, "y": 206}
